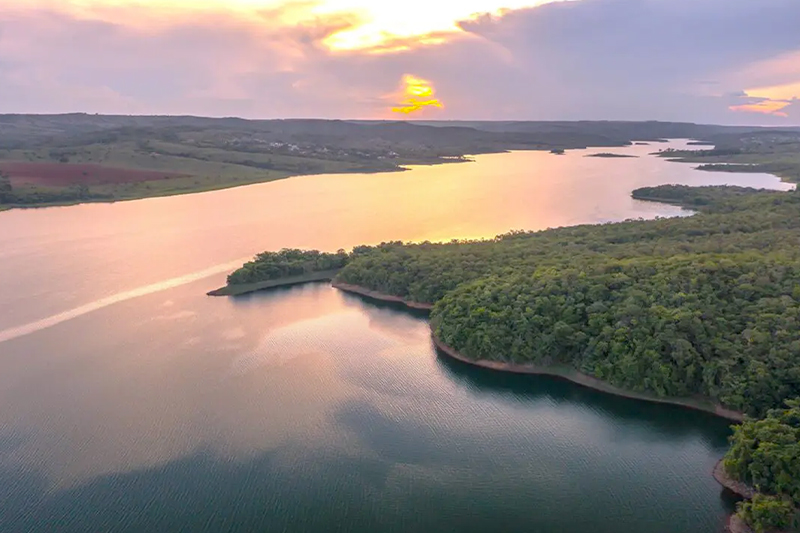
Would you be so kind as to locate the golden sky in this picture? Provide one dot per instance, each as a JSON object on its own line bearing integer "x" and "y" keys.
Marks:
{"x": 375, "y": 22}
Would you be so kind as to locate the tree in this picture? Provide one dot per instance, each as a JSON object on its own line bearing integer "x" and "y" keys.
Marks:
{"x": 6, "y": 190}
{"x": 768, "y": 513}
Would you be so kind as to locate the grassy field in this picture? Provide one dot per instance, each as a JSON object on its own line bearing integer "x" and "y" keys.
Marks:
{"x": 186, "y": 169}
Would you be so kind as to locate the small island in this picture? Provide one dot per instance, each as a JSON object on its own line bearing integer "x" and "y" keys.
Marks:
{"x": 699, "y": 312}
{"x": 609, "y": 155}
{"x": 699, "y": 143}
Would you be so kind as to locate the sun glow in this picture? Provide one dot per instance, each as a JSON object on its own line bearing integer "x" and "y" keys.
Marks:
{"x": 417, "y": 94}
{"x": 376, "y": 25}
{"x": 384, "y": 22}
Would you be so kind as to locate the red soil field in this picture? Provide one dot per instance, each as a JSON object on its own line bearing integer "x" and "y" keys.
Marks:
{"x": 65, "y": 174}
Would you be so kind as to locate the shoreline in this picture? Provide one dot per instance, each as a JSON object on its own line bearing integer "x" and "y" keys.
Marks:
{"x": 584, "y": 380}
{"x": 247, "y": 288}
{"x": 566, "y": 373}
{"x": 737, "y": 487}
{"x": 737, "y": 525}
{"x": 400, "y": 167}
{"x": 374, "y": 295}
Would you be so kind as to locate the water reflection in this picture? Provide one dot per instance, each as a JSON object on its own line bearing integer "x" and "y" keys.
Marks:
{"x": 663, "y": 422}
{"x": 304, "y": 409}
{"x": 100, "y": 250}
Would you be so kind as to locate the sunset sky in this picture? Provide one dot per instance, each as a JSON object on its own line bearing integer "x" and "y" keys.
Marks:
{"x": 721, "y": 61}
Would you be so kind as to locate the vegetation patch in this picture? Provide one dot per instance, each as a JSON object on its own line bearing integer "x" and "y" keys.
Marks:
{"x": 609, "y": 155}
{"x": 286, "y": 267}
{"x": 765, "y": 454}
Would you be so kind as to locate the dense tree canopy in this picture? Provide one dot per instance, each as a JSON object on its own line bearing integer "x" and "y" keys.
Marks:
{"x": 766, "y": 455}
{"x": 288, "y": 262}
{"x": 721, "y": 326}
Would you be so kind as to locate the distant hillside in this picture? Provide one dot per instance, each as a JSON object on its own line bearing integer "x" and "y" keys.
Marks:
{"x": 73, "y": 158}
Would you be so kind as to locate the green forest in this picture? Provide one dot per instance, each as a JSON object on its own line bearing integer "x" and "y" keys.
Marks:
{"x": 765, "y": 454}
{"x": 705, "y": 307}
{"x": 286, "y": 263}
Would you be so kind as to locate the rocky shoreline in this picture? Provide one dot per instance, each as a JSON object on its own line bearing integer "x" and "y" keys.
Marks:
{"x": 737, "y": 487}
{"x": 737, "y": 525}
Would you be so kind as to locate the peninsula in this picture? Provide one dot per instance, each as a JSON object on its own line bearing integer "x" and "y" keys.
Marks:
{"x": 698, "y": 311}
{"x": 287, "y": 267}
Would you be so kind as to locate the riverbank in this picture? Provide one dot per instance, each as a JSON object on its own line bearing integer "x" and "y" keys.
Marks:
{"x": 374, "y": 295}
{"x": 566, "y": 373}
{"x": 734, "y": 524}
{"x": 246, "y": 288}
{"x": 737, "y": 525}
{"x": 584, "y": 380}
{"x": 737, "y": 487}
{"x": 125, "y": 191}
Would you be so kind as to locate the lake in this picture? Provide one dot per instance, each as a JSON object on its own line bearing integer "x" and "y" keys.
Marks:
{"x": 133, "y": 402}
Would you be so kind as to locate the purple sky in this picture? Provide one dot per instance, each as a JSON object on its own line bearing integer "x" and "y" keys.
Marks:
{"x": 715, "y": 61}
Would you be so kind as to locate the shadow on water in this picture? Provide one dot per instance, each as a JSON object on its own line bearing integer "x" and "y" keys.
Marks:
{"x": 282, "y": 290}
{"x": 325, "y": 492}
{"x": 200, "y": 492}
{"x": 364, "y": 303}
{"x": 665, "y": 420}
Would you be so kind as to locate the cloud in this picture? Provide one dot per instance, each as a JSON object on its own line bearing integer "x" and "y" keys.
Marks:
{"x": 696, "y": 60}
{"x": 766, "y": 107}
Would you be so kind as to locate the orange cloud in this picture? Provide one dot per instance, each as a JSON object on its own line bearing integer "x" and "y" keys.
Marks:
{"x": 417, "y": 94}
{"x": 766, "y": 107}
{"x": 787, "y": 91}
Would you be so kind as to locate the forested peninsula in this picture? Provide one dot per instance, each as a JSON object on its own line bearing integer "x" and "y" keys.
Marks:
{"x": 702, "y": 310}
{"x": 287, "y": 267}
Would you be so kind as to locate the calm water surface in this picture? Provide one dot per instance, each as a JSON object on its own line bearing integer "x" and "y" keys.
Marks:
{"x": 129, "y": 401}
